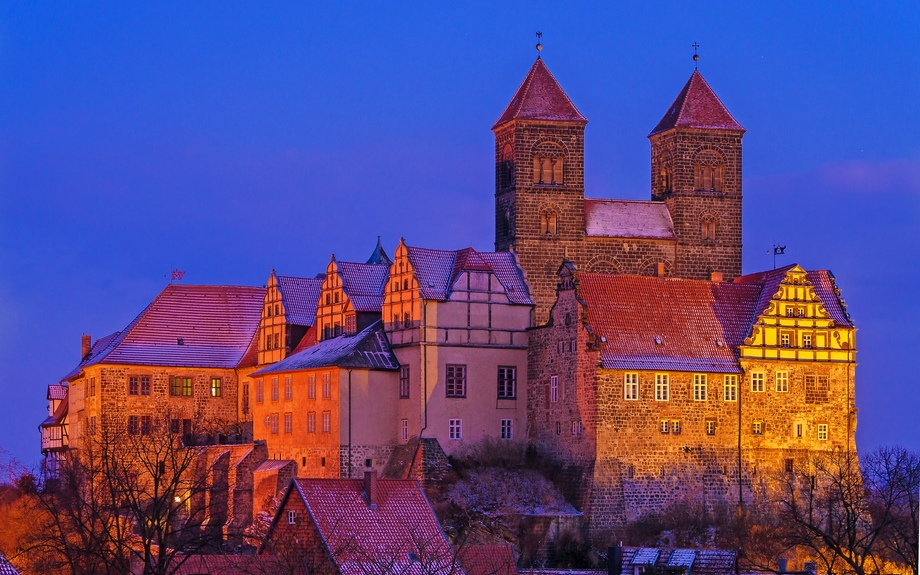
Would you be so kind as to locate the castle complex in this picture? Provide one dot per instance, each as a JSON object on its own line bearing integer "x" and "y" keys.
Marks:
{"x": 620, "y": 339}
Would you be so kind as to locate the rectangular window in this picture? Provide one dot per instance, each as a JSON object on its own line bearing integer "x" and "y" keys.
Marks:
{"x": 92, "y": 425}
{"x": 572, "y": 346}
{"x": 292, "y": 517}
{"x": 662, "y": 387}
{"x": 145, "y": 385}
{"x": 456, "y": 381}
{"x": 731, "y": 388}
{"x": 311, "y": 422}
{"x": 288, "y": 388}
{"x": 327, "y": 421}
{"x": 576, "y": 427}
{"x": 311, "y": 387}
{"x": 631, "y": 386}
{"x": 145, "y": 425}
{"x": 758, "y": 427}
{"x": 404, "y": 381}
{"x": 554, "y": 388}
{"x": 274, "y": 423}
{"x": 710, "y": 427}
{"x": 455, "y": 429}
{"x": 782, "y": 381}
{"x": 245, "y": 398}
{"x": 757, "y": 380}
{"x": 274, "y": 389}
{"x": 327, "y": 386}
{"x": 561, "y": 347}
{"x": 404, "y": 429}
{"x": 558, "y": 428}
{"x": 260, "y": 393}
{"x": 187, "y": 387}
{"x": 216, "y": 387}
{"x": 675, "y": 426}
{"x": 507, "y": 429}
{"x": 134, "y": 425}
{"x": 288, "y": 422}
{"x": 507, "y": 382}
{"x": 134, "y": 385}
{"x": 175, "y": 386}
{"x": 822, "y": 432}
{"x": 700, "y": 392}
{"x": 784, "y": 340}
{"x": 351, "y": 325}
{"x": 799, "y": 430}
{"x": 789, "y": 465}
{"x": 806, "y": 340}
{"x": 174, "y": 426}
{"x": 664, "y": 426}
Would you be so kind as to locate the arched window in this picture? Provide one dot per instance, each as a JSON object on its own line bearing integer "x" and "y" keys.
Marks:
{"x": 708, "y": 171}
{"x": 557, "y": 171}
{"x": 536, "y": 169}
{"x": 708, "y": 227}
{"x": 548, "y": 164}
{"x": 548, "y": 222}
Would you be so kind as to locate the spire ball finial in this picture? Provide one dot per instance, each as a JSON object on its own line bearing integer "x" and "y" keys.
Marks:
{"x": 696, "y": 57}
{"x": 539, "y": 44}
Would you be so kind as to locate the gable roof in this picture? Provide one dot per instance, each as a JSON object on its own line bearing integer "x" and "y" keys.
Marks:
{"x": 368, "y": 349}
{"x": 821, "y": 280}
{"x": 215, "y": 323}
{"x": 540, "y": 97}
{"x": 364, "y": 284}
{"x": 437, "y": 270}
{"x": 699, "y": 324}
{"x": 697, "y": 106}
{"x": 357, "y": 536}
{"x": 301, "y": 296}
{"x": 628, "y": 219}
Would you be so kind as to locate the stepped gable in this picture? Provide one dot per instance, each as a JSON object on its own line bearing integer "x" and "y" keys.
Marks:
{"x": 215, "y": 324}
{"x": 540, "y": 97}
{"x": 697, "y": 106}
{"x": 698, "y": 324}
{"x": 364, "y": 284}
{"x": 368, "y": 349}
{"x": 300, "y": 296}
{"x": 628, "y": 219}
{"x": 401, "y": 521}
{"x": 821, "y": 280}
{"x": 437, "y": 270}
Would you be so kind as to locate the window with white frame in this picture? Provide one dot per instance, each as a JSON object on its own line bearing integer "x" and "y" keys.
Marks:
{"x": 730, "y": 388}
{"x": 288, "y": 388}
{"x": 799, "y": 430}
{"x": 675, "y": 426}
{"x": 822, "y": 432}
{"x": 507, "y": 382}
{"x": 757, "y": 379}
{"x": 311, "y": 422}
{"x": 757, "y": 427}
{"x": 631, "y": 386}
{"x": 455, "y": 429}
{"x": 288, "y": 422}
{"x": 782, "y": 381}
{"x": 327, "y": 386}
{"x": 456, "y": 381}
{"x": 784, "y": 340}
{"x": 806, "y": 340}
{"x": 553, "y": 388}
{"x": 577, "y": 427}
{"x": 404, "y": 429}
{"x": 260, "y": 393}
{"x": 507, "y": 429}
{"x": 664, "y": 426}
{"x": 327, "y": 421}
{"x": 710, "y": 427}
{"x": 662, "y": 387}
{"x": 274, "y": 389}
{"x": 311, "y": 386}
{"x": 403, "y": 381}
{"x": 700, "y": 384}
{"x": 292, "y": 517}
{"x": 274, "y": 423}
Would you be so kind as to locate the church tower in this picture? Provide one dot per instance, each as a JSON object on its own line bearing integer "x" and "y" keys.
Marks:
{"x": 696, "y": 171}
{"x": 539, "y": 180}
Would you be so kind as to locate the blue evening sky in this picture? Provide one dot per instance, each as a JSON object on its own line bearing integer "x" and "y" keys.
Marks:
{"x": 228, "y": 139}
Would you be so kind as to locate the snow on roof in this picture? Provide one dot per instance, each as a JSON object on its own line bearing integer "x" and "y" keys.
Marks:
{"x": 697, "y": 106}
{"x": 300, "y": 296}
{"x": 540, "y": 97}
{"x": 628, "y": 219}
{"x": 437, "y": 270}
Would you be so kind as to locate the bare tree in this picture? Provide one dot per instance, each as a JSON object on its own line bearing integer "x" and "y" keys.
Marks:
{"x": 892, "y": 476}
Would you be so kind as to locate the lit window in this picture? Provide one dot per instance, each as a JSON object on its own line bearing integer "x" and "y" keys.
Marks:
{"x": 631, "y": 386}
{"x": 757, "y": 382}
{"x": 784, "y": 340}
{"x": 311, "y": 422}
{"x": 675, "y": 426}
{"x": 806, "y": 340}
{"x": 664, "y": 426}
{"x": 288, "y": 388}
{"x": 260, "y": 393}
{"x": 187, "y": 386}
{"x": 507, "y": 429}
{"x": 507, "y": 382}
{"x": 288, "y": 422}
{"x": 216, "y": 390}
{"x": 710, "y": 427}
{"x": 822, "y": 432}
{"x": 799, "y": 430}
{"x": 327, "y": 421}
{"x": 758, "y": 428}
{"x": 731, "y": 388}
{"x": 662, "y": 387}
{"x": 554, "y": 388}
{"x": 790, "y": 311}
{"x": 782, "y": 381}
{"x": 700, "y": 391}
{"x": 456, "y": 381}
{"x": 292, "y": 517}
{"x": 404, "y": 429}
{"x": 404, "y": 381}
{"x": 576, "y": 427}
{"x": 455, "y": 429}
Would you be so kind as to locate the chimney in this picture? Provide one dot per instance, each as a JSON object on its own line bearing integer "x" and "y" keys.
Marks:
{"x": 614, "y": 560}
{"x": 716, "y": 277}
{"x": 661, "y": 269}
{"x": 86, "y": 344}
{"x": 370, "y": 488}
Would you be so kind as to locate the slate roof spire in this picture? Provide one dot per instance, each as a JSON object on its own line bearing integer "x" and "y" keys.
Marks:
{"x": 540, "y": 97}
{"x": 697, "y": 106}
{"x": 380, "y": 256}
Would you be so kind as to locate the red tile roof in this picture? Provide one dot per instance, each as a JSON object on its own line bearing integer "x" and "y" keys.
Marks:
{"x": 364, "y": 284}
{"x": 689, "y": 318}
{"x": 697, "y": 106}
{"x": 301, "y": 296}
{"x": 628, "y": 219}
{"x": 215, "y": 323}
{"x": 540, "y": 97}
{"x": 437, "y": 270}
{"x": 487, "y": 560}
{"x": 359, "y": 537}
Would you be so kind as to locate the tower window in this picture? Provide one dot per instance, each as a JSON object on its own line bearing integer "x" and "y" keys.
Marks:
{"x": 548, "y": 220}
{"x": 548, "y": 166}
{"x": 708, "y": 227}
{"x": 708, "y": 177}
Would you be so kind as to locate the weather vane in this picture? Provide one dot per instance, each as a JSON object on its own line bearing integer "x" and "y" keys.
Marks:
{"x": 696, "y": 57}
{"x": 175, "y": 275}
{"x": 539, "y": 45}
{"x": 778, "y": 250}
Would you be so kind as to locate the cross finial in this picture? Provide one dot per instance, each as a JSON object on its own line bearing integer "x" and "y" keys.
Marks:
{"x": 539, "y": 45}
{"x": 696, "y": 57}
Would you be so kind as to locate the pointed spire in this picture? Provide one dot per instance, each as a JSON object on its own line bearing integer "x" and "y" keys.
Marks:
{"x": 697, "y": 106}
{"x": 540, "y": 97}
{"x": 380, "y": 256}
